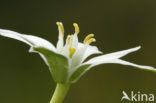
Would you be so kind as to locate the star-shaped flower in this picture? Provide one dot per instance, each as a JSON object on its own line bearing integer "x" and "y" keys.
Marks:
{"x": 66, "y": 61}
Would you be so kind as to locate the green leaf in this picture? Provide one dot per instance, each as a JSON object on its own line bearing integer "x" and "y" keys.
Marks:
{"x": 78, "y": 73}
{"x": 58, "y": 64}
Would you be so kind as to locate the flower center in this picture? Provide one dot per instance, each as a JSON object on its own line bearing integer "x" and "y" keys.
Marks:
{"x": 72, "y": 40}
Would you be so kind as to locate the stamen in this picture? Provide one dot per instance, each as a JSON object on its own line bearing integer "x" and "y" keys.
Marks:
{"x": 61, "y": 28}
{"x": 77, "y": 30}
{"x": 90, "y": 41}
{"x": 68, "y": 39}
{"x": 88, "y": 37}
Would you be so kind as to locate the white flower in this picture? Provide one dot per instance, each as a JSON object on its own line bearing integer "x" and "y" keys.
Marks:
{"x": 66, "y": 61}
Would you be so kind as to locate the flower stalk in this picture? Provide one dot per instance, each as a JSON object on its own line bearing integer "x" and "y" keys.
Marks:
{"x": 60, "y": 93}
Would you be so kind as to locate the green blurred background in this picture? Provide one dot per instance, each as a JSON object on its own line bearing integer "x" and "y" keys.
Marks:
{"x": 117, "y": 25}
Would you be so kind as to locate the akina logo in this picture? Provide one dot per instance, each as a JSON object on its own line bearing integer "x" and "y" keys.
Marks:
{"x": 138, "y": 96}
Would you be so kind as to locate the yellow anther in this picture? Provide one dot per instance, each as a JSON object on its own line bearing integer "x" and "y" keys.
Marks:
{"x": 68, "y": 38}
{"x": 90, "y": 41}
{"x": 88, "y": 37}
{"x": 71, "y": 52}
{"x": 60, "y": 27}
{"x": 77, "y": 30}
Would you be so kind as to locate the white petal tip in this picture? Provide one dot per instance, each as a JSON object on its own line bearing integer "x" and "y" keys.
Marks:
{"x": 137, "y": 48}
{"x": 150, "y": 68}
{"x": 100, "y": 52}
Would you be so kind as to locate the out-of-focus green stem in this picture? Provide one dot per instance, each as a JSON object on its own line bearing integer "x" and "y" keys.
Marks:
{"x": 60, "y": 93}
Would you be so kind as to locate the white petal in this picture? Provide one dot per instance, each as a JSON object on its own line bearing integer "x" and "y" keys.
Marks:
{"x": 90, "y": 51}
{"x": 111, "y": 56}
{"x": 87, "y": 50}
{"x": 115, "y": 61}
{"x": 82, "y": 53}
{"x": 75, "y": 41}
{"x": 78, "y": 55}
{"x": 114, "y": 58}
{"x": 33, "y": 41}
{"x": 60, "y": 43}
{"x": 13, "y": 35}
{"x": 65, "y": 51}
{"x": 119, "y": 61}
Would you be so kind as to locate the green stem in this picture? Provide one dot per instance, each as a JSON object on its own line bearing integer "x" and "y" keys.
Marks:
{"x": 60, "y": 93}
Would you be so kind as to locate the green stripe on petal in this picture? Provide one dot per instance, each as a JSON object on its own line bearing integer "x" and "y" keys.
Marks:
{"x": 58, "y": 64}
{"x": 78, "y": 73}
